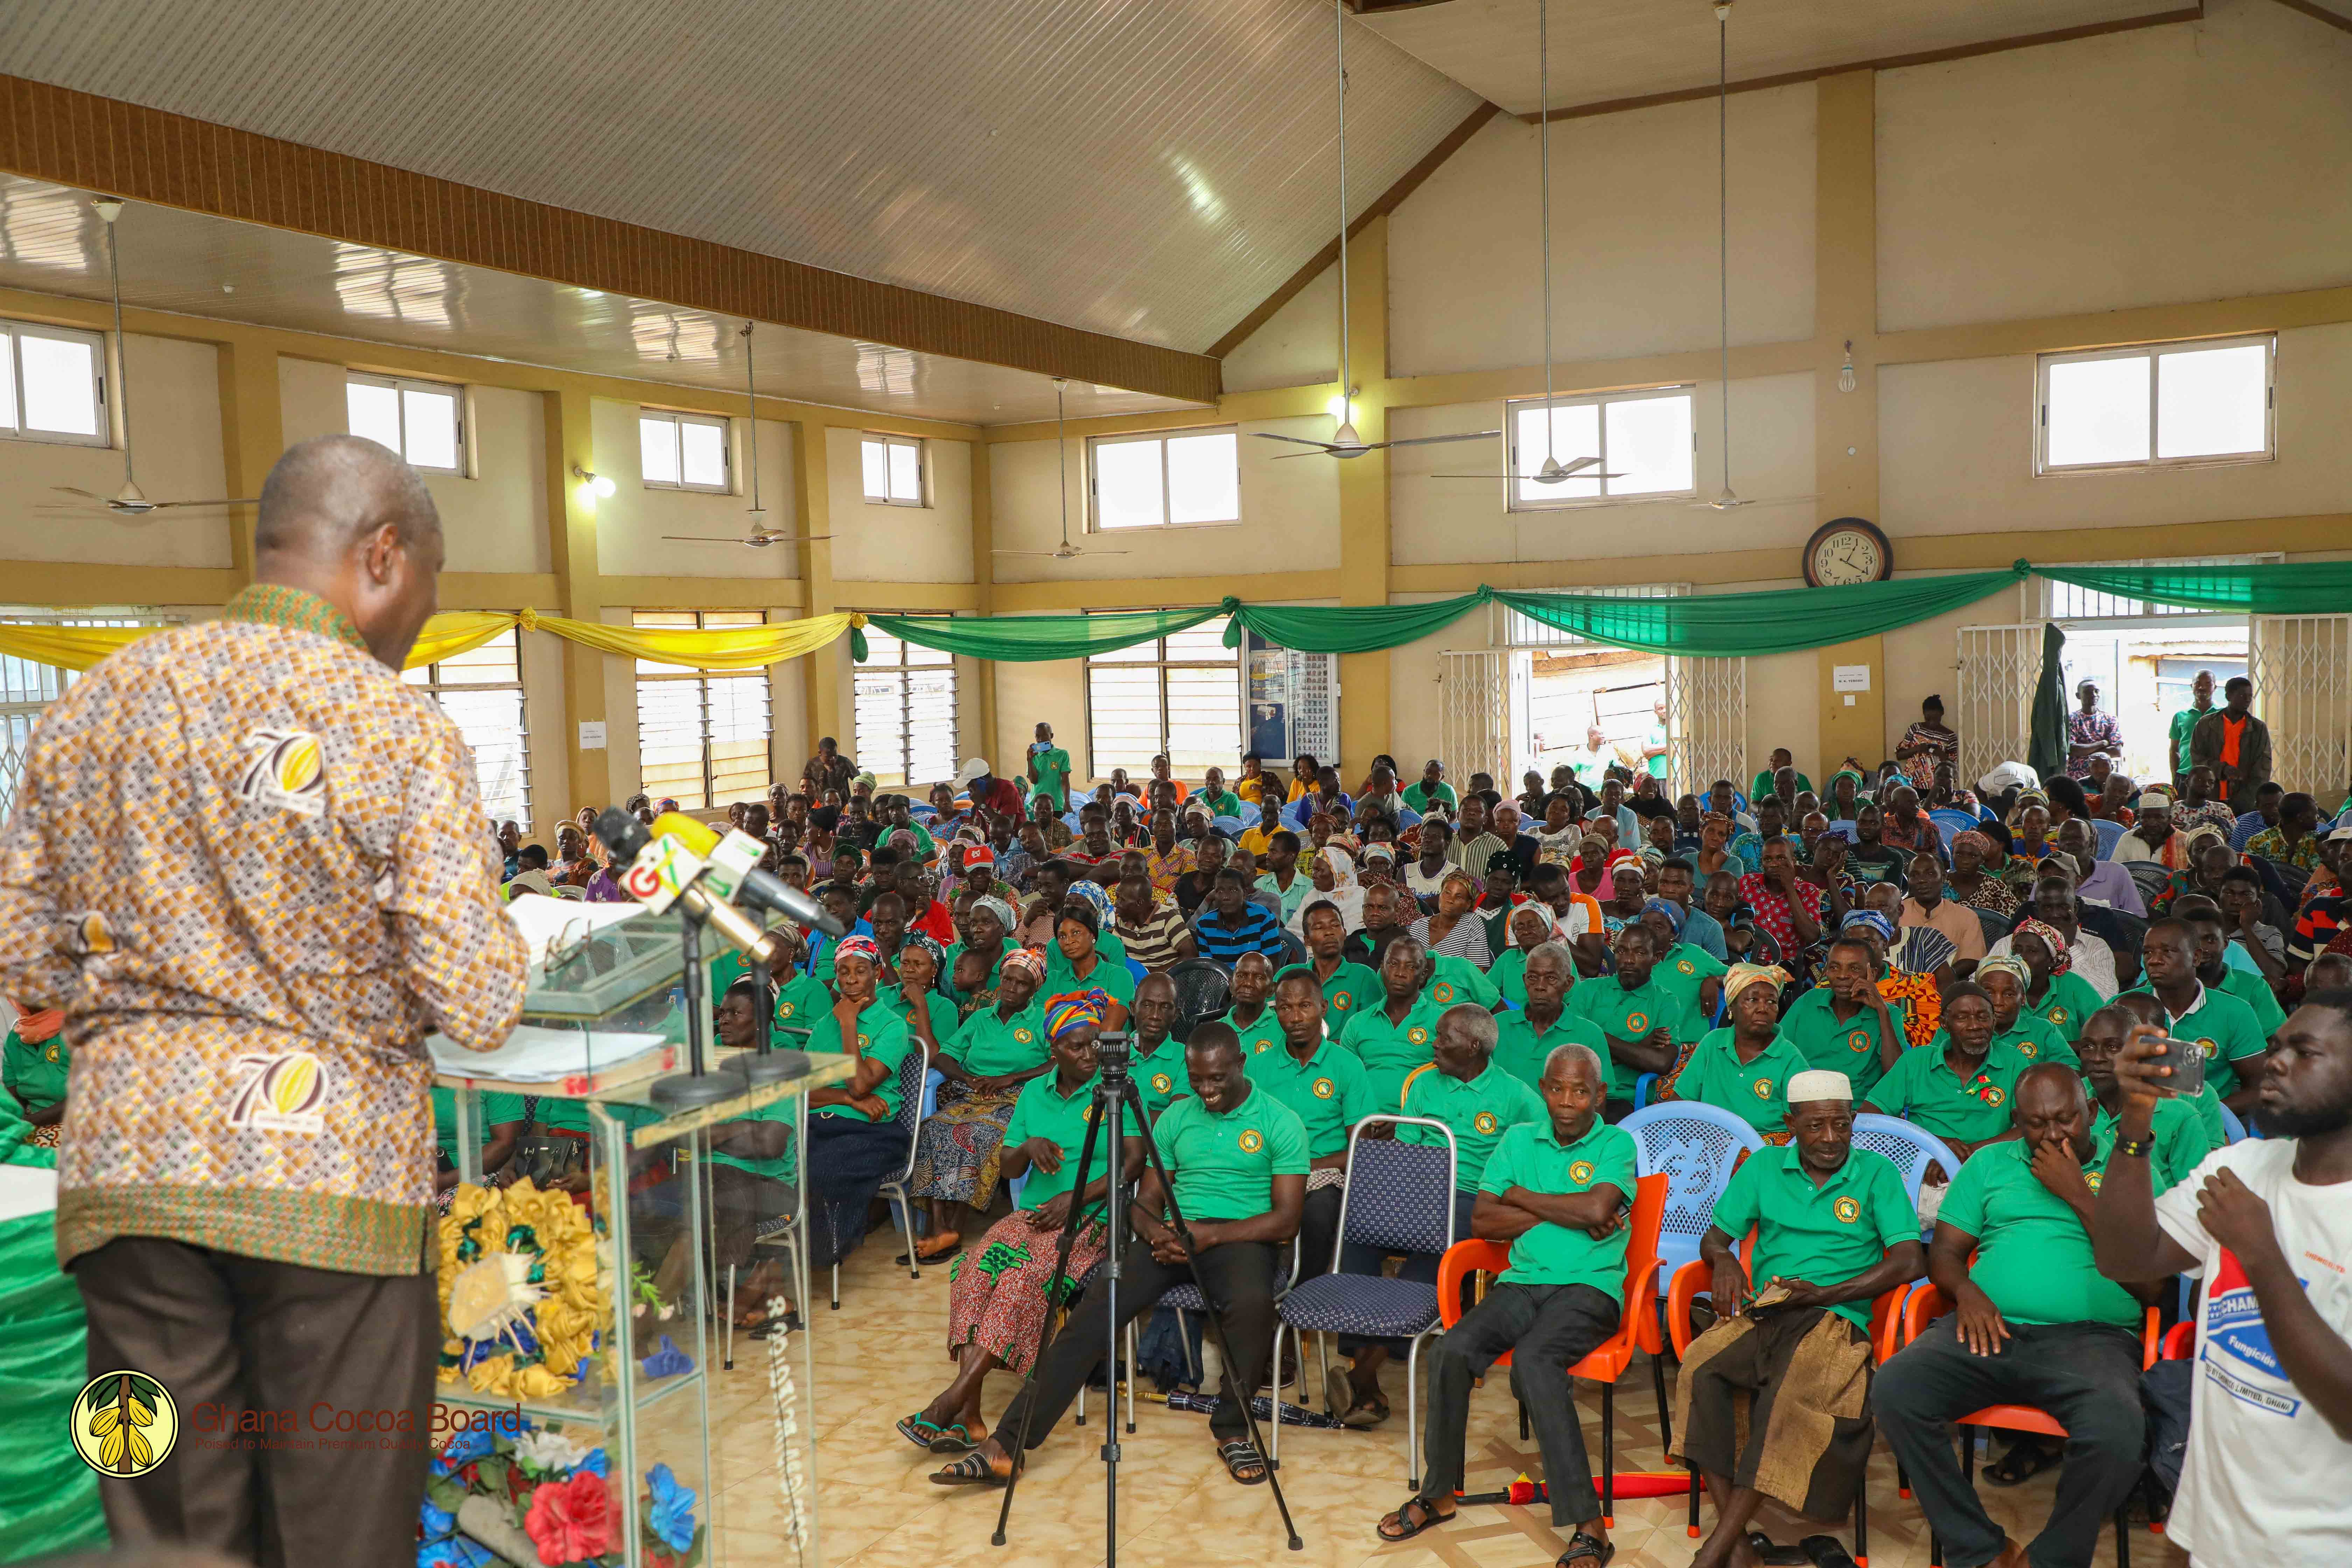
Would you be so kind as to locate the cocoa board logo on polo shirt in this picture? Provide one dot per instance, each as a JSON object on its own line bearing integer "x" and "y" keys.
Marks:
{"x": 2208, "y": 1045}
{"x": 1847, "y": 1210}
{"x": 786, "y": 1009}
{"x": 1992, "y": 1095}
{"x": 2091, "y": 1178}
{"x": 863, "y": 1042}
{"x": 1858, "y": 1041}
{"x": 1441, "y": 991}
{"x": 1325, "y": 1089}
{"x": 1763, "y": 1088}
{"x": 1485, "y": 1121}
{"x": 1022, "y": 1035}
{"x": 1342, "y": 1002}
{"x": 1686, "y": 966}
{"x": 1250, "y": 1142}
{"x": 1161, "y": 1083}
{"x": 2059, "y": 1016}
{"x": 1580, "y": 1172}
{"x": 1637, "y": 1022}
{"x": 1417, "y": 1035}
{"x": 123, "y": 1424}
{"x": 2028, "y": 1048}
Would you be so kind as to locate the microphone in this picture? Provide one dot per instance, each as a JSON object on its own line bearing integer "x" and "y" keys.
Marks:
{"x": 735, "y": 871}
{"x": 664, "y": 870}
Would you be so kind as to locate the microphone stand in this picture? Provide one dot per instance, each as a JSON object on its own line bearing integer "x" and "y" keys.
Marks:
{"x": 695, "y": 1085}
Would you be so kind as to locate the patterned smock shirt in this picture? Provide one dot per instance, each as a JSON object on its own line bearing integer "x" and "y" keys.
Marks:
{"x": 251, "y": 866}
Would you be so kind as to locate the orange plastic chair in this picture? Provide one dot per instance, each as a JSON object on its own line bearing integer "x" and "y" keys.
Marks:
{"x": 1925, "y": 1305}
{"x": 1637, "y": 1325}
{"x": 1695, "y": 1277}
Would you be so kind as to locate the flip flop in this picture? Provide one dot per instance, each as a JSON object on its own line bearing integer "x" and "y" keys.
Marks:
{"x": 955, "y": 1438}
{"x": 920, "y": 1432}
{"x": 1241, "y": 1454}
{"x": 972, "y": 1470}
{"x": 1583, "y": 1545}
{"x": 1429, "y": 1519}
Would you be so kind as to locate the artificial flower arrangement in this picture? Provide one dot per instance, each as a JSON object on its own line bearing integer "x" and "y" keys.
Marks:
{"x": 522, "y": 1303}
{"x": 542, "y": 1497}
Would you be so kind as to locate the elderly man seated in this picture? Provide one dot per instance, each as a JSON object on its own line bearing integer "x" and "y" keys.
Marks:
{"x": 2035, "y": 1325}
{"x": 1772, "y": 1402}
{"x": 1559, "y": 1190}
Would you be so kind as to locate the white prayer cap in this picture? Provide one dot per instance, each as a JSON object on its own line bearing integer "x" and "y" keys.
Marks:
{"x": 1819, "y": 1084}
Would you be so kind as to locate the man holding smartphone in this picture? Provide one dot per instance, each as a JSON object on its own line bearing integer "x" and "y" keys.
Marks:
{"x": 2269, "y": 1222}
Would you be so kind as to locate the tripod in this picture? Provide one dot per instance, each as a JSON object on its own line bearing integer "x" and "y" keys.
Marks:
{"x": 1114, "y": 1093}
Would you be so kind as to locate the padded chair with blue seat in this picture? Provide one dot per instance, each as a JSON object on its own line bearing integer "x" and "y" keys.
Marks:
{"x": 1399, "y": 1198}
{"x": 913, "y": 1099}
{"x": 2110, "y": 835}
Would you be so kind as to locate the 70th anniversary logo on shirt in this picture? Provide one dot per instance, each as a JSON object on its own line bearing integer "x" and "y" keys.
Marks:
{"x": 281, "y": 1093}
{"x": 287, "y": 769}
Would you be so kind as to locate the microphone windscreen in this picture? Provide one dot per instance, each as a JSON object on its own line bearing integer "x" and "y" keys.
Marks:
{"x": 696, "y": 835}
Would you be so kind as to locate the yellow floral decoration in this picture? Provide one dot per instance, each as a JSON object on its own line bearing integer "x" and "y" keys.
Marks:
{"x": 521, "y": 1266}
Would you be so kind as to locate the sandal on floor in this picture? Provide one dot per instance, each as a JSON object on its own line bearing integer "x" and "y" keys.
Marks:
{"x": 955, "y": 1437}
{"x": 941, "y": 1256}
{"x": 2026, "y": 1458}
{"x": 972, "y": 1470}
{"x": 1583, "y": 1545}
{"x": 1240, "y": 1455}
{"x": 920, "y": 1430}
{"x": 1429, "y": 1519}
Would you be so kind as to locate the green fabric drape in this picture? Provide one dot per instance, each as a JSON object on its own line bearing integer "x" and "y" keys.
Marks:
{"x": 2045, "y": 753}
{"x": 1349, "y": 628}
{"x": 1031, "y": 639}
{"x": 48, "y": 1499}
{"x": 2297, "y": 588}
{"x": 1736, "y": 625}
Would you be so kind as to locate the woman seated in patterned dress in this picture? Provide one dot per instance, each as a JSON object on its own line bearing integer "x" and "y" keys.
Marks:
{"x": 998, "y": 1293}
{"x": 986, "y": 1063}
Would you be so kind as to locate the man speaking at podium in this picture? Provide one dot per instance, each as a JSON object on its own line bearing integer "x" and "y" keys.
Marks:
{"x": 251, "y": 867}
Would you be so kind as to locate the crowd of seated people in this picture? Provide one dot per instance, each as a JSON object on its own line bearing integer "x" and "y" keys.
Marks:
{"x": 1528, "y": 971}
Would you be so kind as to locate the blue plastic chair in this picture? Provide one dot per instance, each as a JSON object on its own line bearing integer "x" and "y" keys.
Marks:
{"x": 2233, "y": 1130}
{"x": 1141, "y": 974}
{"x": 1949, "y": 820}
{"x": 2247, "y": 827}
{"x": 1911, "y": 1148}
{"x": 1231, "y": 826}
{"x": 1399, "y": 1199}
{"x": 2110, "y": 835}
{"x": 1697, "y": 1147}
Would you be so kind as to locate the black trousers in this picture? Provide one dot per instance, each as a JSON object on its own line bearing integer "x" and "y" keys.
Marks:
{"x": 2084, "y": 1375}
{"x": 1238, "y": 1278}
{"x": 1548, "y": 1328}
{"x": 226, "y": 1335}
{"x": 1318, "y": 1231}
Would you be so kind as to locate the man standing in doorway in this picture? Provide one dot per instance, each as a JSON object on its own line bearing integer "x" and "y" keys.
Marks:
{"x": 2091, "y": 733}
{"x": 245, "y": 1180}
{"x": 2184, "y": 724}
{"x": 1654, "y": 743}
{"x": 2235, "y": 745}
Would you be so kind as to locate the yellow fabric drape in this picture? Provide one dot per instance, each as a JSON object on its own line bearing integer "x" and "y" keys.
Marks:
{"x": 454, "y": 632}
{"x": 67, "y": 648}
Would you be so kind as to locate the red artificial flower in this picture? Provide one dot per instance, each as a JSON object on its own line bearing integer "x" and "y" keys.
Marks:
{"x": 571, "y": 1521}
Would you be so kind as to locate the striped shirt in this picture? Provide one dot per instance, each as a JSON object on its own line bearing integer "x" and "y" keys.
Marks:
{"x": 1151, "y": 942}
{"x": 1255, "y": 931}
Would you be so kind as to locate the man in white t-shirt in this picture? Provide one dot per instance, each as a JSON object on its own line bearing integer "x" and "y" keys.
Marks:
{"x": 2268, "y": 1222}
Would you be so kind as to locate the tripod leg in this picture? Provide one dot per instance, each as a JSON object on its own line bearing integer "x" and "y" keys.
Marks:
{"x": 1217, "y": 1325}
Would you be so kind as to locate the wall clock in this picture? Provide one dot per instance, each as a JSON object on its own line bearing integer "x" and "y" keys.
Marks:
{"x": 1846, "y": 551}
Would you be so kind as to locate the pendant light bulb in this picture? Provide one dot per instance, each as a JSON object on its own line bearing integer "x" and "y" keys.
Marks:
{"x": 1845, "y": 372}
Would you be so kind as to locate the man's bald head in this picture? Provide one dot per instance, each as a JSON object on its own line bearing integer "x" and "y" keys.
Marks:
{"x": 346, "y": 520}
{"x": 326, "y": 494}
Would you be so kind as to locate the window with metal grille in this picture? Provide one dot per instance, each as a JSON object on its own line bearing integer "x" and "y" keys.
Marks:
{"x": 906, "y": 712}
{"x": 423, "y": 421}
{"x": 681, "y": 451}
{"x": 1179, "y": 480}
{"x": 53, "y": 387}
{"x": 1179, "y": 694}
{"x": 893, "y": 469}
{"x": 1645, "y": 442}
{"x": 2065, "y": 602}
{"x": 2156, "y": 405}
{"x": 703, "y": 735}
{"x": 481, "y": 690}
{"x": 26, "y": 688}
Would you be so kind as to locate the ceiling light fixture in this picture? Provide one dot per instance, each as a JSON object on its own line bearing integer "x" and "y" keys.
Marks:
{"x": 1846, "y": 375}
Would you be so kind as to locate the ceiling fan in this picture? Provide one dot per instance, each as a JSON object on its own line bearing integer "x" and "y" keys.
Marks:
{"x": 1344, "y": 441}
{"x": 761, "y": 535}
{"x": 1067, "y": 552}
{"x": 130, "y": 500}
{"x": 1552, "y": 471}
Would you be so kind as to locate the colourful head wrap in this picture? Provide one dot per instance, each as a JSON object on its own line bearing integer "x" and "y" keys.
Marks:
{"x": 1869, "y": 921}
{"x": 2061, "y": 958}
{"x": 1093, "y": 893}
{"x": 1980, "y": 842}
{"x": 994, "y": 906}
{"x": 1075, "y": 1010}
{"x": 1743, "y": 975}
{"x": 2007, "y": 964}
{"x": 1026, "y": 960}
{"x": 856, "y": 947}
{"x": 1675, "y": 913}
{"x": 930, "y": 945}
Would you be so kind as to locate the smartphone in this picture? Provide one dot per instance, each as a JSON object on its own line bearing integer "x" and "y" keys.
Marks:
{"x": 2188, "y": 1065}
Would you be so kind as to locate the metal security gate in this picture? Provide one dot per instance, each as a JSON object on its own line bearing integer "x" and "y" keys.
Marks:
{"x": 1999, "y": 668}
{"x": 1473, "y": 715}
{"x": 1707, "y": 720}
{"x": 2301, "y": 670}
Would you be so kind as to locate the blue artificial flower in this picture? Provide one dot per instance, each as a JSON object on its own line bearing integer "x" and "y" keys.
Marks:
{"x": 457, "y": 1552}
{"x": 438, "y": 1524}
{"x": 595, "y": 1461}
{"x": 474, "y": 1443}
{"x": 666, "y": 1362}
{"x": 672, "y": 1518}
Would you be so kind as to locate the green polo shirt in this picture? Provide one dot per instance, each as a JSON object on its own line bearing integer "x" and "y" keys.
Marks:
{"x": 497, "y": 1110}
{"x": 1757, "y": 1092}
{"x": 799, "y": 1001}
{"x": 989, "y": 1045}
{"x": 1849, "y": 1046}
{"x": 1630, "y": 1015}
{"x": 2035, "y": 1039}
{"x": 1531, "y": 1156}
{"x": 2224, "y": 1029}
{"x": 1922, "y": 1089}
{"x": 2247, "y": 986}
{"x": 881, "y": 1037}
{"x": 1417, "y": 795}
{"x": 783, "y": 1167}
{"x": 1509, "y": 975}
{"x": 1043, "y": 1110}
{"x": 35, "y": 1074}
{"x": 1353, "y": 988}
{"x": 938, "y": 1008}
{"x": 1053, "y": 775}
{"x": 2176, "y": 1127}
{"x": 1224, "y": 1162}
{"x": 2067, "y": 1006}
{"x": 1454, "y": 981}
{"x": 1479, "y": 1110}
{"x": 1825, "y": 1234}
{"x": 1264, "y": 1030}
{"x": 1684, "y": 969}
{"x": 1520, "y": 1051}
{"x": 1112, "y": 976}
{"x": 1160, "y": 1075}
{"x": 1328, "y": 1092}
{"x": 2033, "y": 1257}
{"x": 1391, "y": 1051}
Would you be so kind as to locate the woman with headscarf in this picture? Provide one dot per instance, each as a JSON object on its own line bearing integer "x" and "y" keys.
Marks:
{"x": 2053, "y": 992}
{"x": 1918, "y": 999}
{"x": 1334, "y": 875}
{"x": 1689, "y": 971}
{"x": 1000, "y": 1294}
{"x": 33, "y": 1066}
{"x": 2004, "y": 979}
{"x": 856, "y": 1137}
{"x": 1531, "y": 925}
{"x": 986, "y": 923}
{"x": 983, "y": 1065}
{"x": 1059, "y": 975}
{"x": 1744, "y": 1066}
{"x": 1086, "y": 958}
{"x": 1926, "y": 744}
{"x": 1969, "y": 882}
{"x": 1455, "y": 930}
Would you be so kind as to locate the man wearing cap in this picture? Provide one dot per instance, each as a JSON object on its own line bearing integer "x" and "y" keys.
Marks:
{"x": 2153, "y": 837}
{"x": 1527, "y": 1036}
{"x": 2034, "y": 1324}
{"x": 987, "y": 792}
{"x": 1772, "y": 1400}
